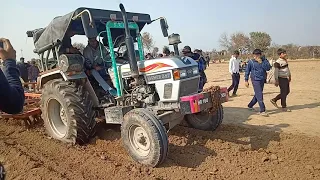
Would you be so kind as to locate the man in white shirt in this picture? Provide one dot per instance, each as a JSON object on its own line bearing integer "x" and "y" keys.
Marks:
{"x": 234, "y": 65}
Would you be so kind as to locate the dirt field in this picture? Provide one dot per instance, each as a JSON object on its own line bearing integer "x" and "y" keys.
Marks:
{"x": 246, "y": 146}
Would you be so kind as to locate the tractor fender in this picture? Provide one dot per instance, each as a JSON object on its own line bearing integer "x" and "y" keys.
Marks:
{"x": 58, "y": 74}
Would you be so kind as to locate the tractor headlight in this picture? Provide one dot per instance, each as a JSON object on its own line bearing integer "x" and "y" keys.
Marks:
{"x": 195, "y": 70}
{"x": 179, "y": 74}
{"x": 183, "y": 73}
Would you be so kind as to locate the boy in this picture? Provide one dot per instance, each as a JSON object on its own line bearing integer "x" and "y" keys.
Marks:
{"x": 256, "y": 69}
{"x": 234, "y": 65}
{"x": 282, "y": 77}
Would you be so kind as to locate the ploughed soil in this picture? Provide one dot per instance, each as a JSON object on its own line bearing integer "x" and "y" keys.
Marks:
{"x": 246, "y": 146}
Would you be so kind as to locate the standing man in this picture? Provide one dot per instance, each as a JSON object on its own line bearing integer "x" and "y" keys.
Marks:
{"x": 201, "y": 65}
{"x": 23, "y": 68}
{"x": 33, "y": 71}
{"x": 199, "y": 51}
{"x": 282, "y": 76}
{"x": 208, "y": 59}
{"x": 234, "y": 65}
{"x": 257, "y": 69}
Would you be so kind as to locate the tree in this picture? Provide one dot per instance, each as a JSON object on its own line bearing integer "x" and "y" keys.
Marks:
{"x": 147, "y": 41}
{"x": 224, "y": 41}
{"x": 155, "y": 51}
{"x": 239, "y": 41}
{"x": 79, "y": 46}
{"x": 165, "y": 47}
{"x": 260, "y": 40}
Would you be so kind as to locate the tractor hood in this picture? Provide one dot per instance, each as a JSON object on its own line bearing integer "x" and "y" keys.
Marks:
{"x": 161, "y": 64}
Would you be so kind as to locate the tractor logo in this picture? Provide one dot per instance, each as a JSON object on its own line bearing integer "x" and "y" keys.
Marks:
{"x": 153, "y": 67}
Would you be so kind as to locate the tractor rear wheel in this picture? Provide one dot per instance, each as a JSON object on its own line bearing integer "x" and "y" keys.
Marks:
{"x": 144, "y": 137}
{"x": 67, "y": 111}
{"x": 206, "y": 121}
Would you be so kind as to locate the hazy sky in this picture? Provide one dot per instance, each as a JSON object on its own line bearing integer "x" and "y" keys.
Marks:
{"x": 199, "y": 22}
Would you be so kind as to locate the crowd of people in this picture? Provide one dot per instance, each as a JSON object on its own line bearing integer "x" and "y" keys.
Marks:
{"x": 29, "y": 71}
{"x": 257, "y": 70}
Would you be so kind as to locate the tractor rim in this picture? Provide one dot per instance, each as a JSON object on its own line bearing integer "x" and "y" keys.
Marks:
{"x": 57, "y": 118}
{"x": 139, "y": 140}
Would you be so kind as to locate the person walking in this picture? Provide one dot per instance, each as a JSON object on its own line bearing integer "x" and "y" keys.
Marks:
{"x": 282, "y": 77}
{"x": 234, "y": 65}
{"x": 256, "y": 70}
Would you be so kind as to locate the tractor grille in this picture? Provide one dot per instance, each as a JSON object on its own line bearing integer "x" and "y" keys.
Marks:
{"x": 188, "y": 87}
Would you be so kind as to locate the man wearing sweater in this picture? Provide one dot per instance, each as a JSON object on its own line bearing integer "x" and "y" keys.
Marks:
{"x": 234, "y": 65}
{"x": 257, "y": 69}
{"x": 11, "y": 91}
{"x": 282, "y": 76}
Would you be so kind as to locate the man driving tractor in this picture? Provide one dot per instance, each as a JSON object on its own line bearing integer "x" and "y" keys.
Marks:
{"x": 94, "y": 56}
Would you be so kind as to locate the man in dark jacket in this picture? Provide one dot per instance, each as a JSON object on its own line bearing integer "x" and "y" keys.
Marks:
{"x": 257, "y": 69}
{"x": 11, "y": 91}
{"x": 201, "y": 65}
{"x": 23, "y": 69}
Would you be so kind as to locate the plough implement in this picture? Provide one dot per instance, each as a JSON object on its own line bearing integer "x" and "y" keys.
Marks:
{"x": 31, "y": 111}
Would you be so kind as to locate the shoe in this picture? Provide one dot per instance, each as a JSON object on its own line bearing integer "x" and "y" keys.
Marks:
{"x": 234, "y": 95}
{"x": 274, "y": 103}
{"x": 263, "y": 114}
{"x": 251, "y": 109}
{"x": 286, "y": 110}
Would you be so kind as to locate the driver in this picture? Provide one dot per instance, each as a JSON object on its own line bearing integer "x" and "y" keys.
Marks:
{"x": 93, "y": 60}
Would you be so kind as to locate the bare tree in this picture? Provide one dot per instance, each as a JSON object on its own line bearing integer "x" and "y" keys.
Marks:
{"x": 147, "y": 40}
{"x": 239, "y": 41}
{"x": 224, "y": 41}
{"x": 79, "y": 46}
{"x": 155, "y": 51}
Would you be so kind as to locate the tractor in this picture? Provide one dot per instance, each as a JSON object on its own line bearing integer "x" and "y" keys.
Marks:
{"x": 150, "y": 97}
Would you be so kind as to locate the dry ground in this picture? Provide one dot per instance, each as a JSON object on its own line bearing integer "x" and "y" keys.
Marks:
{"x": 246, "y": 146}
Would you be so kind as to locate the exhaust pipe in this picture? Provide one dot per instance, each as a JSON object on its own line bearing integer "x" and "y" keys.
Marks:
{"x": 130, "y": 45}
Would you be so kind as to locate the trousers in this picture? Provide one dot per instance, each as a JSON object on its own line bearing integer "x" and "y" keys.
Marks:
{"x": 284, "y": 91}
{"x": 258, "y": 95}
{"x": 235, "y": 83}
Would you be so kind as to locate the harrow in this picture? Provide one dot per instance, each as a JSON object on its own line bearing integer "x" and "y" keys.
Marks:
{"x": 31, "y": 113}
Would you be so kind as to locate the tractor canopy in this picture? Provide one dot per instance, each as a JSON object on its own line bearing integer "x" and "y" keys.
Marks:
{"x": 55, "y": 32}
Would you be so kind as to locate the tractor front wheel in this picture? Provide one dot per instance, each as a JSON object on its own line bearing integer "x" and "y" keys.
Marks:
{"x": 205, "y": 120}
{"x": 67, "y": 111}
{"x": 144, "y": 137}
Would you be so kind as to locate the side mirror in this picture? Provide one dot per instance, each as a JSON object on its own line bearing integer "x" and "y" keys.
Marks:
{"x": 164, "y": 27}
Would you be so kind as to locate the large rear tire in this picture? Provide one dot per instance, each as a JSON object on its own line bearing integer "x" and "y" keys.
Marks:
{"x": 144, "y": 137}
{"x": 206, "y": 121}
{"x": 67, "y": 111}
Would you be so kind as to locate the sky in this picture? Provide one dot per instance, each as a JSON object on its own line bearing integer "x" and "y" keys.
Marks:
{"x": 199, "y": 23}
